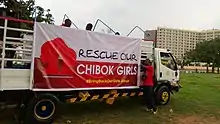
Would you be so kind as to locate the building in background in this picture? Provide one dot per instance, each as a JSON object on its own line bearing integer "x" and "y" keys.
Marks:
{"x": 179, "y": 41}
{"x": 210, "y": 34}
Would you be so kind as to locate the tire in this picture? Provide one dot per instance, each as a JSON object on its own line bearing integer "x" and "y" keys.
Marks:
{"x": 162, "y": 96}
{"x": 41, "y": 109}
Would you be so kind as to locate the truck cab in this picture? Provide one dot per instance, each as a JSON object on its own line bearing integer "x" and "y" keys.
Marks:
{"x": 166, "y": 70}
{"x": 166, "y": 67}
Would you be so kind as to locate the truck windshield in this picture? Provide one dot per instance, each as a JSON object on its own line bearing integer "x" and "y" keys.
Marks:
{"x": 168, "y": 60}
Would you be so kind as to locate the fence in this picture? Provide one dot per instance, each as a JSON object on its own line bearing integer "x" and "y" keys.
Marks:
{"x": 198, "y": 69}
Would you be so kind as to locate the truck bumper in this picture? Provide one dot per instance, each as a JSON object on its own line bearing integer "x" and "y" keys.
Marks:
{"x": 175, "y": 86}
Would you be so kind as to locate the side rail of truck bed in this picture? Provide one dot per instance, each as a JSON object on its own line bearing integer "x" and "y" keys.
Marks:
{"x": 16, "y": 53}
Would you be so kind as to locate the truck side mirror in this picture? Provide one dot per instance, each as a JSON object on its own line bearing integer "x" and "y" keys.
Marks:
{"x": 176, "y": 73}
{"x": 176, "y": 67}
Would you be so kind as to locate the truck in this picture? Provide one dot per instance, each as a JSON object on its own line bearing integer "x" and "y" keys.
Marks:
{"x": 56, "y": 65}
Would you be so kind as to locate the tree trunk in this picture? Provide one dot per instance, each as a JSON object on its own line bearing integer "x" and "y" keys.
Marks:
{"x": 218, "y": 70}
{"x": 213, "y": 69}
{"x": 207, "y": 68}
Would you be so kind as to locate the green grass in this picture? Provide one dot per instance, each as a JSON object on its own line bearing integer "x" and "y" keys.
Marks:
{"x": 198, "y": 102}
{"x": 199, "y": 98}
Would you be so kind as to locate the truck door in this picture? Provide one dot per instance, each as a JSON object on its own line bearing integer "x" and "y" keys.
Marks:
{"x": 168, "y": 69}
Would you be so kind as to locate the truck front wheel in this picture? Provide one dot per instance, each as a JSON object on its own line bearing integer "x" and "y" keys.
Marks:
{"x": 162, "y": 95}
{"x": 41, "y": 109}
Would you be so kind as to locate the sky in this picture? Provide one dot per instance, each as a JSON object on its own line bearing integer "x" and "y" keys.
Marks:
{"x": 123, "y": 15}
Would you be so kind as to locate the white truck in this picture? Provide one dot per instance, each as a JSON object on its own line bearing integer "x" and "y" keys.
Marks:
{"x": 66, "y": 65}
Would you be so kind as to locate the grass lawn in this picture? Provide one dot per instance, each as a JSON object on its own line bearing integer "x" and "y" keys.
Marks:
{"x": 197, "y": 103}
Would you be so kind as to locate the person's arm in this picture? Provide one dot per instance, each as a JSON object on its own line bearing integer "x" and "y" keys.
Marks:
{"x": 149, "y": 68}
{"x": 142, "y": 65}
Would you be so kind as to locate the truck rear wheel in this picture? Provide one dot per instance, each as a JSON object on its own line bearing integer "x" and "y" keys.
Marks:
{"x": 41, "y": 109}
{"x": 162, "y": 95}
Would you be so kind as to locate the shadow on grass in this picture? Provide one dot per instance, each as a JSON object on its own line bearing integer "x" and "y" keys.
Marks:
{"x": 91, "y": 107}
{"x": 123, "y": 111}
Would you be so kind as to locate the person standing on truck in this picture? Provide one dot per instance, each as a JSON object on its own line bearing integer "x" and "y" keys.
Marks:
{"x": 10, "y": 54}
{"x": 117, "y": 33}
{"x": 148, "y": 84}
{"x": 67, "y": 23}
{"x": 89, "y": 27}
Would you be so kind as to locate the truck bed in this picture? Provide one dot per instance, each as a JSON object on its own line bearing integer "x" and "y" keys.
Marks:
{"x": 22, "y": 76}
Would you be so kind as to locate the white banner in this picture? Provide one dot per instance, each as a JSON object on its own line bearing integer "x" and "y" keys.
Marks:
{"x": 90, "y": 46}
{"x": 71, "y": 58}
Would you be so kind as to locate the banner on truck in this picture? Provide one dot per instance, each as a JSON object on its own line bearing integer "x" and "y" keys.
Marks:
{"x": 72, "y": 58}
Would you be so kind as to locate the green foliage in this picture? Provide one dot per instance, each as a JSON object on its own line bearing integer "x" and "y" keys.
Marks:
{"x": 206, "y": 51}
{"x": 25, "y": 9}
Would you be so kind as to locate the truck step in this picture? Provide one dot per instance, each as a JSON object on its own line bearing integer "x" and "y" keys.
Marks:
{"x": 104, "y": 96}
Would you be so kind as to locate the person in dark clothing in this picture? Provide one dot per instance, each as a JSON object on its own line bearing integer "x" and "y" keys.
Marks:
{"x": 9, "y": 54}
{"x": 148, "y": 83}
{"x": 67, "y": 23}
{"x": 89, "y": 27}
{"x": 117, "y": 33}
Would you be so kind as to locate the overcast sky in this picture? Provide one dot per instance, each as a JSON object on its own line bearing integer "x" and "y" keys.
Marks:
{"x": 122, "y": 15}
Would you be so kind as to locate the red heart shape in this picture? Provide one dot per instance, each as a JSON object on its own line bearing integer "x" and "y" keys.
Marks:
{"x": 57, "y": 58}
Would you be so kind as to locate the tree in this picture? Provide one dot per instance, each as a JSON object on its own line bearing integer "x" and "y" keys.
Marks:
{"x": 216, "y": 51}
{"x": 49, "y": 17}
{"x": 26, "y": 10}
{"x": 207, "y": 51}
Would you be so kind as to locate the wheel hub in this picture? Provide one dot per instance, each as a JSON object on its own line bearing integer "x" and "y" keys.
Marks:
{"x": 165, "y": 96}
{"x": 44, "y": 109}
